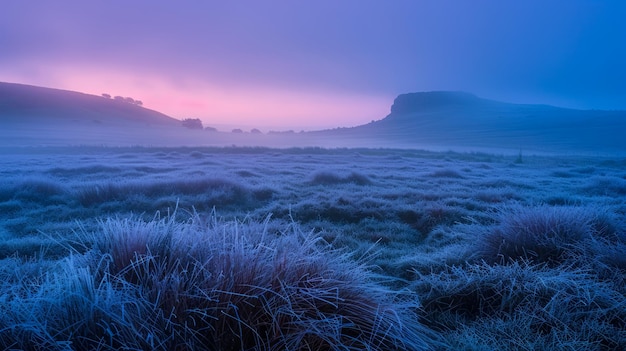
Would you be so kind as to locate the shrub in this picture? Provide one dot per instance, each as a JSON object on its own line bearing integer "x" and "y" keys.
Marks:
{"x": 192, "y": 123}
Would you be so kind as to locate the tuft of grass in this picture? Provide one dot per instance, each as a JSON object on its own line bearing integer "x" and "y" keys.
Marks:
{"x": 606, "y": 186}
{"x": 523, "y": 307}
{"x": 428, "y": 218}
{"x": 545, "y": 234}
{"x": 342, "y": 210}
{"x": 207, "y": 191}
{"x": 92, "y": 169}
{"x": 329, "y": 178}
{"x": 447, "y": 173}
{"x": 39, "y": 191}
{"x": 205, "y": 284}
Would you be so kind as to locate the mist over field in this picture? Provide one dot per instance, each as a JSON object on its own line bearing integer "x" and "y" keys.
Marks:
{"x": 436, "y": 120}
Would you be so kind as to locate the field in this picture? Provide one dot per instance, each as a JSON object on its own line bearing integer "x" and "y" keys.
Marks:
{"x": 309, "y": 248}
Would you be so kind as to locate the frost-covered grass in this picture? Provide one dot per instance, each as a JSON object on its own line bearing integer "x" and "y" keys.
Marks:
{"x": 204, "y": 285}
{"x": 523, "y": 307}
{"x": 476, "y": 251}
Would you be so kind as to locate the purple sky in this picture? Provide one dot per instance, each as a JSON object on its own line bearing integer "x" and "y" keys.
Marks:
{"x": 310, "y": 64}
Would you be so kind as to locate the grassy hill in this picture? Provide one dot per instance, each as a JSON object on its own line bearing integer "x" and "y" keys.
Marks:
{"x": 461, "y": 120}
{"x": 23, "y": 104}
{"x": 37, "y": 116}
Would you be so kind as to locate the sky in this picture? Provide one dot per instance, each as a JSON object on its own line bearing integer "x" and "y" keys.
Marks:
{"x": 302, "y": 65}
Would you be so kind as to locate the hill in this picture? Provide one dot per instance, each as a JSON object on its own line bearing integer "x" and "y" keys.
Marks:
{"x": 37, "y": 116}
{"x": 30, "y": 104}
{"x": 439, "y": 120}
{"x": 31, "y": 115}
{"x": 459, "y": 120}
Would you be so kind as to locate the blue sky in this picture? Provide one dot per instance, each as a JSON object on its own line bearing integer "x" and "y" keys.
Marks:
{"x": 310, "y": 64}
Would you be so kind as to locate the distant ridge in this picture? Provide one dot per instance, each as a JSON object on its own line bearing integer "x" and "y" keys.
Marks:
{"x": 436, "y": 120}
{"x": 37, "y": 116}
{"x": 23, "y": 104}
{"x": 462, "y": 120}
{"x": 406, "y": 103}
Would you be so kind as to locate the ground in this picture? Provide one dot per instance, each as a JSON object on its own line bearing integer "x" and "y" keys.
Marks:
{"x": 423, "y": 220}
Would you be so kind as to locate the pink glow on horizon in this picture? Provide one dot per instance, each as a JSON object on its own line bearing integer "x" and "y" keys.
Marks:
{"x": 233, "y": 105}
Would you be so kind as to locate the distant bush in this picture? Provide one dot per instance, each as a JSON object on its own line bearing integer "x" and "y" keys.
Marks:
{"x": 128, "y": 100}
{"x": 192, "y": 123}
{"x": 237, "y": 131}
{"x": 164, "y": 285}
{"x": 210, "y": 129}
{"x": 255, "y": 131}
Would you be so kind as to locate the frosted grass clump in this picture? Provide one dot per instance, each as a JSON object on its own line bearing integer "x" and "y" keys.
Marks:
{"x": 546, "y": 234}
{"x": 167, "y": 285}
{"x": 522, "y": 306}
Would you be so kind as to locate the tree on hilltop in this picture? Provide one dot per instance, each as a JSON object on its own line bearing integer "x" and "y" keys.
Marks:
{"x": 192, "y": 123}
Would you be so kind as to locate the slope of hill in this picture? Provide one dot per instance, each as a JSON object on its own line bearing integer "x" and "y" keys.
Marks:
{"x": 458, "y": 120}
{"x": 30, "y": 104}
{"x": 37, "y": 116}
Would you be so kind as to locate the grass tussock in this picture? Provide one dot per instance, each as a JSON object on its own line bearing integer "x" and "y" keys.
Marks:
{"x": 39, "y": 191}
{"x": 544, "y": 278}
{"x": 208, "y": 192}
{"x": 330, "y": 178}
{"x": 547, "y": 234}
{"x": 611, "y": 186}
{"x": 446, "y": 173}
{"x": 523, "y": 307}
{"x": 206, "y": 285}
